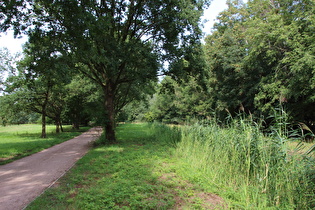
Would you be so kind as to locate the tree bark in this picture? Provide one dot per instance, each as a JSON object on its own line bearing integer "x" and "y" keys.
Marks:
{"x": 43, "y": 122}
{"x": 57, "y": 126}
{"x": 76, "y": 120}
{"x": 44, "y": 114}
{"x": 110, "y": 114}
{"x": 61, "y": 128}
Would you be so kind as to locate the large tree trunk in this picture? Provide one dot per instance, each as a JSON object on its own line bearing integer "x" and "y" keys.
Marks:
{"x": 110, "y": 114}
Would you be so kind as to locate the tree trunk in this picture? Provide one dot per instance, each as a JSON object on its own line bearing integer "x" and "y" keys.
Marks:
{"x": 57, "y": 126}
{"x": 44, "y": 107}
{"x": 110, "y": 115}
{"x": 76, "y": 121}
{"x": 43, "y": 122}
{"x": 61, "y": 128}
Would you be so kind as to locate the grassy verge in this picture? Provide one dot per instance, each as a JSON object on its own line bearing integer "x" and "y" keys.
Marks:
{"x": 138, "y": 173}
{"x": 18, "y": 141}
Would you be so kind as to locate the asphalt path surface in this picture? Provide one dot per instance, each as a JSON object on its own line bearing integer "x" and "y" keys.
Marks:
{"x": 25, "y": 179}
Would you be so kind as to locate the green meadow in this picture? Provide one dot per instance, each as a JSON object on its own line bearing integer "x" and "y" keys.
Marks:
{"x": 17, "y": 141}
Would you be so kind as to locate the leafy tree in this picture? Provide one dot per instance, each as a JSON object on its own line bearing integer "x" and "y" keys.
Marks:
{"x": 7, "y": 66}
{"x": 260, "y": 56}
{"x": 120, "y": 45}
{"x": 231, "y": 84}
{"x": 37, "y": 86}
{"x": 283, "y": 48}
{"x": 83, "y": 101}
{"x": 176, "y": 102}
{"x": 11, "y": 112}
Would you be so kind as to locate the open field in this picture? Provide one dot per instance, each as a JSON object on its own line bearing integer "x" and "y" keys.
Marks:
{"x": 17, "y": 141}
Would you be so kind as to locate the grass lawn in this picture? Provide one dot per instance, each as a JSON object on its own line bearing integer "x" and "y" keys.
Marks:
{"x": 140, "y": 172}
{"x": 17, "y": 141}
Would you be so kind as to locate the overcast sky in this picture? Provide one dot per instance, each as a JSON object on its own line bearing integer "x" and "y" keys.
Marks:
{"x": 15, "y": 45}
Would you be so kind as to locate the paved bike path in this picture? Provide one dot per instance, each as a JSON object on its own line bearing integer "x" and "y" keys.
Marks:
{"x": 23, "y": 180}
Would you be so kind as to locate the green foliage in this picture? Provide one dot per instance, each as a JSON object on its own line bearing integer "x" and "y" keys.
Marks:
{"x": 7, "y": 66}
{"x": 82, "y": 102}
{"x": 260, "y": 55}
{"x": 176, "y": 102}
{"x": 11, "y": 113}
{"x": 17, "y": 141}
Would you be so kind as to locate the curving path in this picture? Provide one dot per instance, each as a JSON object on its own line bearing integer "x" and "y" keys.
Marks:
{"x": 23, "y": 180}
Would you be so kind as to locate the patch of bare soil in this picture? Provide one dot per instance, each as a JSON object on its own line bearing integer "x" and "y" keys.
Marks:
{"x": 23, "y": 180}
{"x": 203, "y": 199}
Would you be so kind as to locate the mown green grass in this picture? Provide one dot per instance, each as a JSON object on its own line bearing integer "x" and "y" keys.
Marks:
{"x": 17, "y": 141}
{"x": 138, "y": 173}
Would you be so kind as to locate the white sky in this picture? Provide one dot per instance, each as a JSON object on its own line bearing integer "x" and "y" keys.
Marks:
{"x": 15, "y": 45}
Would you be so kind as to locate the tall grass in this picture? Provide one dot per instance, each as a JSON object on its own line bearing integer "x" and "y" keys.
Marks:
{"x": 244, "y": 166}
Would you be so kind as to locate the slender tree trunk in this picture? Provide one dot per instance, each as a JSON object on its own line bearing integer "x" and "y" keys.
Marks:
{"x": 57, "y": 126}
{"x": 44, "y": 107}
{"x": 76, "y": 121}
{"x": 110, "y": 114}
{"x": 61, "y": 128}
{"x": 43, "y": 122}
